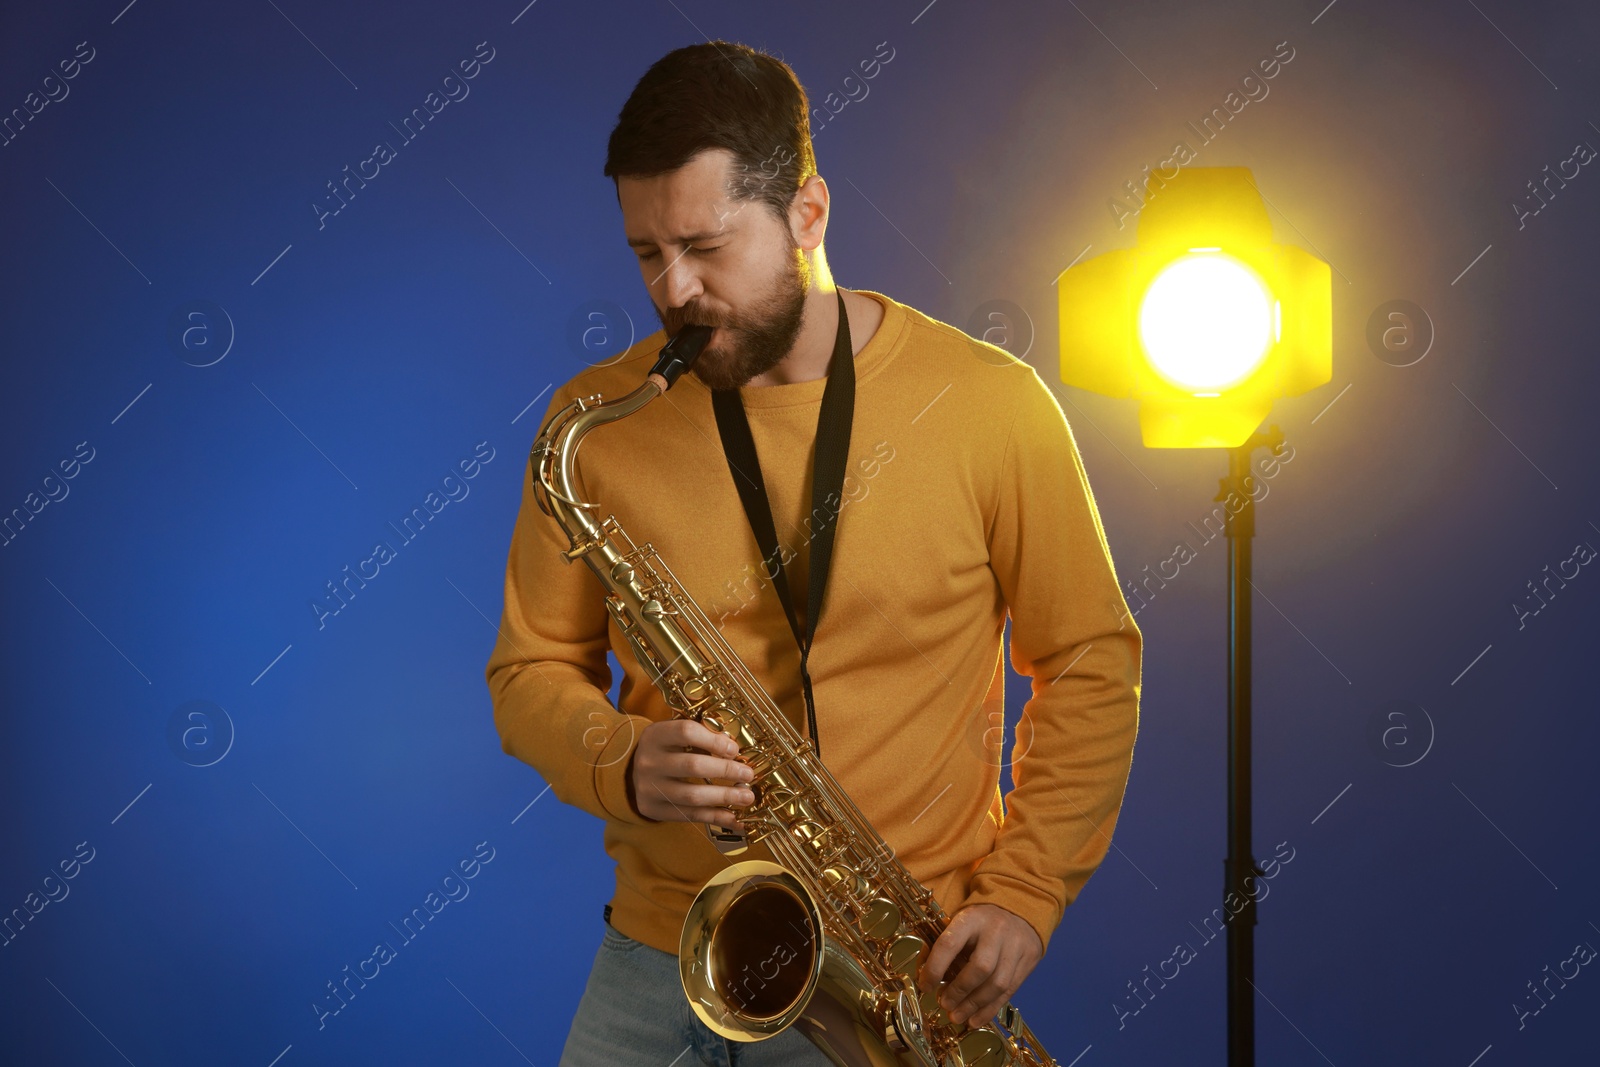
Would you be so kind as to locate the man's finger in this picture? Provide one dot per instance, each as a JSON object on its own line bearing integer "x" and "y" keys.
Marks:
{"x": 700, "y": 737}
{"x": 988, "y": 998}
{"x": 695, "y": 764}
{"x": 987, "y": 1012}
{"x": 719, "y": 816}
{"x": 975, "y": 975}
{"x": 707, "y": 796}
{"x": 688, "y": 797}
{"x": 945, "y": 949}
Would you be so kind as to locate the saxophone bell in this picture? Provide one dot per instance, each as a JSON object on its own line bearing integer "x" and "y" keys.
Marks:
{"x": 755, "y": 960}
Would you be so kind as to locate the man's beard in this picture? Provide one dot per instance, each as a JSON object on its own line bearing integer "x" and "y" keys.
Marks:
{"x": 751, "y": 344}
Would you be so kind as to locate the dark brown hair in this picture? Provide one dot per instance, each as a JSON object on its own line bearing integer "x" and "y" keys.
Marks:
{"x": 720, "y": 94}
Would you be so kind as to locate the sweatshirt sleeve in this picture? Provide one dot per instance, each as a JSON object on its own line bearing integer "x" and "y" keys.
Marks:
{"x": 1072, "y": 634}
{"x": 548, "y": 676}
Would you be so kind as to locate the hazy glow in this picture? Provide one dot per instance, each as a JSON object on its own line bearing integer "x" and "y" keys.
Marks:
{"x": 1206, "y": 322}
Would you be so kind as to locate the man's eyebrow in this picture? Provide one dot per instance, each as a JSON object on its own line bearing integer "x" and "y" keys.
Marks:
{"x": 636, "y": 242}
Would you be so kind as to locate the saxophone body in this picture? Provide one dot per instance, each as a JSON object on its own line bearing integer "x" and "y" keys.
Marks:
{"x": 830, "y": 938}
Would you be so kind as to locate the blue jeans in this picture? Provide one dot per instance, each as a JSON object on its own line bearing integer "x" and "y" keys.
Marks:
{"x": 634, "y": 1014}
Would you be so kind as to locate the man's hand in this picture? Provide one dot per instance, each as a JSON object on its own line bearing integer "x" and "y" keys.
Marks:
{"x": 672, "y": 750}
{"x": 1005, "y": 948}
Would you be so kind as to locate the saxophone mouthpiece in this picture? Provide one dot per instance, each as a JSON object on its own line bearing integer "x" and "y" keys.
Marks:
{"x": 679, "y": 354}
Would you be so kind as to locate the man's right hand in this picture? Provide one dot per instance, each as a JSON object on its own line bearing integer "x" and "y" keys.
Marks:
{"x": 673, "y": 750}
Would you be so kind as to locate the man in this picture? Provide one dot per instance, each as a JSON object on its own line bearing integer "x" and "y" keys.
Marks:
{"x": 964, "y": 498}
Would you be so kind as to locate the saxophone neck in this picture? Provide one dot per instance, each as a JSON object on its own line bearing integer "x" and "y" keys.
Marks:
{"x": 553, "y": 458}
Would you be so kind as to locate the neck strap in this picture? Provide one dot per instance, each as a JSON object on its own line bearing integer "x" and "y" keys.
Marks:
{"x": 832, "y": 448}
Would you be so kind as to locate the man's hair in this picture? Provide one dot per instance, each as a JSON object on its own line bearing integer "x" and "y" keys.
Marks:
{"x": 720, "y": 94}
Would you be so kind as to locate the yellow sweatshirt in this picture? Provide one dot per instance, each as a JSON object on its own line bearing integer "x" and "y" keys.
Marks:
{"x": 965, "y": 496}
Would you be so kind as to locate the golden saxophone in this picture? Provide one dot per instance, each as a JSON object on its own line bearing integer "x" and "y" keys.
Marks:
{"x": 831, "y": 939}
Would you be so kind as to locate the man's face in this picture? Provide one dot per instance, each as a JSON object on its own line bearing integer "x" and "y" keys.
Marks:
{"x": 711, "y": 261}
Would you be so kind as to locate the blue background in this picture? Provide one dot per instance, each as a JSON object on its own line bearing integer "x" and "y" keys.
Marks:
{"x": 359, "y": 762}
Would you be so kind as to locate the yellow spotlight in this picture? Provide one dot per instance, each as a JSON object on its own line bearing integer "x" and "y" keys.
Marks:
{"x": 1206, "y": 321}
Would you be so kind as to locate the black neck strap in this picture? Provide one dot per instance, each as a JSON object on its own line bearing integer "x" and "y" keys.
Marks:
{"x": 832, "y": 448}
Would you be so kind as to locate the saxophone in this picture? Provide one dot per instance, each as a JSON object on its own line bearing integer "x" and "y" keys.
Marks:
{"x": 829, "y": 940}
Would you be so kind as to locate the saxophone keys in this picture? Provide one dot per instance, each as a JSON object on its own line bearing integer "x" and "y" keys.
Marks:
{"x": 982, "y": 1048}
{"x": 880, "y": 918}
{"x": 843, "y": 882}
{"x": 899, "y": 1021}
{"x": 905, "y": 955}
{"x": 695, "y": 690}
{"x": 816, "y": 837}
{"x": 792, "y": 808}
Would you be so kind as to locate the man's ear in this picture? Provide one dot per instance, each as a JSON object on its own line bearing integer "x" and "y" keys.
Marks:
{"x": 809, "y": 213}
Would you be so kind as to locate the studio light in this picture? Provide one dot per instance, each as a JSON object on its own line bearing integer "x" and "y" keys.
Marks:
{"x": 1205, "y": 321}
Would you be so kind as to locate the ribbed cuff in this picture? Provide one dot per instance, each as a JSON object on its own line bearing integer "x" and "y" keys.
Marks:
{"x": 611, "y": 771}
{"x": 1038, "y": 909}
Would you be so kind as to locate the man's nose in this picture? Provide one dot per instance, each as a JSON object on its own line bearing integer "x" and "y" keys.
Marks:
{"x": 680, "y": 284}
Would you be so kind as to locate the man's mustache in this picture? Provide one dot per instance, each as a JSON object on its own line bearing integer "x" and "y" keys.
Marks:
{"x": 678, "y": 322}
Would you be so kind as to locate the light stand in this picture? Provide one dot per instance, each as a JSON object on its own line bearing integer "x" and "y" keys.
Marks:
{"x": 1240, "y": 863}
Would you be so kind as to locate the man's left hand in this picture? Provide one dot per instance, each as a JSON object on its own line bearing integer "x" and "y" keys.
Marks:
{"x": 1005, "y": 948}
